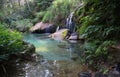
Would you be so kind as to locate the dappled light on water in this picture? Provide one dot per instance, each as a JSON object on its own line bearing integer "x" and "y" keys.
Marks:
{"x": 43, "y": 49}
{"x": 57, "y": 57}
{"x": 52, "y": 49}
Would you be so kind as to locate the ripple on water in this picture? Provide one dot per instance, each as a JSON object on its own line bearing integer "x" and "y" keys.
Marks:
{"x": 57, "y": 54}
{"x": 52, "y": 49}
{"x": 54, "y": 69}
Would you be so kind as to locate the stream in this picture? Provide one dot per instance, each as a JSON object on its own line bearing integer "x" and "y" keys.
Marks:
{"x": 57, "y": 56}
{"x": 53, "y": 49}
{"x": 60, "y": 58}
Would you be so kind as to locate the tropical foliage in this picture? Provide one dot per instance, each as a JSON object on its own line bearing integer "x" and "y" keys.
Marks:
{"x": 58, "y": 11}
{"x": 99, "y": 24}
{"x": 10, "y": 42}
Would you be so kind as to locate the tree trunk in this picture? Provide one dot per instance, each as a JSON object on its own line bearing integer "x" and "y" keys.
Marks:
{"x": 28, "y": 5}
{"x": 19, "y": 2}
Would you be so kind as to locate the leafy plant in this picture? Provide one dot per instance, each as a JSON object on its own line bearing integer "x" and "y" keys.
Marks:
{"x": 10, "y": 42}
{"x": 101, "y": 32}
{"x": 24, "y": 24}
{"x": 97, "y": 51}
{"x": 58, "y": 11}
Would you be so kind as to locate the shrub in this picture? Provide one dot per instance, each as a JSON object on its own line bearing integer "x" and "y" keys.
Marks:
{"x": 97, "y": 51}
{"x": 10, "y": 42}
{"x": 24, "y": 24}
{"x": 99, "y": 20}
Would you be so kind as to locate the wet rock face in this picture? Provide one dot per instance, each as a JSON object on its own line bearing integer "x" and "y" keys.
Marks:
{"x": 43, "y": 28}
{"x": 74, "y": 36}
{"x": 60, "y": 34}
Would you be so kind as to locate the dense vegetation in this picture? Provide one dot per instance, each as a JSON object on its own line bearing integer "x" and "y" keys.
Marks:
{"x": 97, "y": 22}
{"x": 20, "y": 16}
{"x": 57, "y": 12}
{"x": 10, "y": 42}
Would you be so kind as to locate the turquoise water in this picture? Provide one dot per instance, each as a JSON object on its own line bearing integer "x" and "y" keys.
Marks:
{"x": 57, "y": 61}
{"x": 52, "y": 49}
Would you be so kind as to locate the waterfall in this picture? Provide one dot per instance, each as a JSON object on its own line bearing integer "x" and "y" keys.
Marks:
{"x": 70, "y": 24}
{"x": 57, "y": 28}
{"x": 69, "y": 20}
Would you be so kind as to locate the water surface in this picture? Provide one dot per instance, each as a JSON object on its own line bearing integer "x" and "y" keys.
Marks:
{"x": 56, "y": 60}
{"x": 53, "y": 49}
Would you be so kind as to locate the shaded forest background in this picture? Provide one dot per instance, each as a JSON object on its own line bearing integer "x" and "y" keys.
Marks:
{"x": 97, "y": 21}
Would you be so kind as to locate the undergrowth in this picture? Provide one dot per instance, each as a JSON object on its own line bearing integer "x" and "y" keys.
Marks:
{"x": 98, "y": 23}
{"x": 10, "y": 42}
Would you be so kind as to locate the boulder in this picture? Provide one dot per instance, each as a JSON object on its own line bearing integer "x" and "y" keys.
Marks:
{"x": 74, "y": 36}
{"x": 30, "y": 49}
{"x": 43, "y": 28}
{"x": 60, "y": 34}
{"x": 28, "y": 53}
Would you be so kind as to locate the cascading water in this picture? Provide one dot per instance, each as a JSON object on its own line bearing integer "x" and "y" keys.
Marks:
{"x": 57, "y": 56}
{"x": 57, "y": 28}
{"x": 70, "y": 24}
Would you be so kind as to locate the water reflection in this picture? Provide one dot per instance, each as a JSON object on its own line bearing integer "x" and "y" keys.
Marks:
{"x": 56, "y": 62}
{"x": 57, "y": 57}
{"x": 52, "y": 49}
